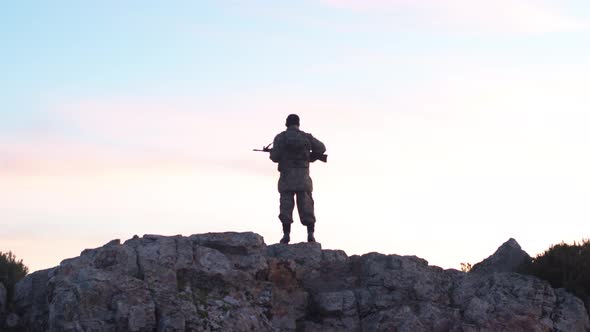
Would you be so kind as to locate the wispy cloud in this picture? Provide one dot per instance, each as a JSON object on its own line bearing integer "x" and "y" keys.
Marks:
{"x": 150, "y": 134}
{"x": 507, "y": 16}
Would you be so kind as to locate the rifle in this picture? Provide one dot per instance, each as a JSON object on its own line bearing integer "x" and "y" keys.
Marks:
{"x": 264, "y": 148}
{"x": 313, "y": 156}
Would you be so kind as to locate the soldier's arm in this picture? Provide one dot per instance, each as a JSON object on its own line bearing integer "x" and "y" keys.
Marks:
{"x": 316, "y": 145}
{"x": 276, "y": 151}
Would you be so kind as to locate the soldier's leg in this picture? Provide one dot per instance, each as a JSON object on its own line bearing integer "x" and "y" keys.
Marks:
{"x": 286, "y": 215}
{"x": 287, "y": 206}
{"x": 305, "y": 207}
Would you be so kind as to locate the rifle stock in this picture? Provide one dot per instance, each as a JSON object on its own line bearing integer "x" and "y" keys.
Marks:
{"x": 318, "y": 156}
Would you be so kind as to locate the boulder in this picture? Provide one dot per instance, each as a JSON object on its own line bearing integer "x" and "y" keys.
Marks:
{"x": 31, "y": 299}
{"x": 507, "y": 258}
{"x": 234, "y": 282}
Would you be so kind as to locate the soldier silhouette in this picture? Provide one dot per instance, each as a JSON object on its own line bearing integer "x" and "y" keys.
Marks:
{"x": 293, "y": 150}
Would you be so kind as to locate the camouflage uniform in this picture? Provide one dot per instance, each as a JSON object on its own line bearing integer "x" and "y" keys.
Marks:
{"x": 291, "y": 149}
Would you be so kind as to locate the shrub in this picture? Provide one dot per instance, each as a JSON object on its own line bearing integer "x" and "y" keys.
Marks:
{"x": 564, "y": 266}
{"x": 11, "y": 271}
{"x": 466, "y": 267}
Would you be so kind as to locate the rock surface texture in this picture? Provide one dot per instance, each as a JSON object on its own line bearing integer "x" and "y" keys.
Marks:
{"x": 234, "y": 282}
{"x": 507, "y": 258}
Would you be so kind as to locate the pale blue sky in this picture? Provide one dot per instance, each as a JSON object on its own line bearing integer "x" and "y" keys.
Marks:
{"x": 438, "y": 116}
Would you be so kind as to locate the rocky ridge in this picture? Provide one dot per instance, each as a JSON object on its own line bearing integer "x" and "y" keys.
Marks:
{"x": 235, "y": 282}
{"x": 507, "y": 258}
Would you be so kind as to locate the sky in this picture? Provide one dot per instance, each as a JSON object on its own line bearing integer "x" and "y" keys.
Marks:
{"x": 451, "y": 125}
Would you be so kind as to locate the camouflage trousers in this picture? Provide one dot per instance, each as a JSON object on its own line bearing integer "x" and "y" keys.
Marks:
{"x": 304, "y": 207}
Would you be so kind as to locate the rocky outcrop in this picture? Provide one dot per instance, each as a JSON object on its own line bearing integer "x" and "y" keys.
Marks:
{"x": 234, "y": 282}
{"x": 507, "y": 258}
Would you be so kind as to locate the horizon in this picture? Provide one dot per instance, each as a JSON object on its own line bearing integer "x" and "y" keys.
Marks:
{"x": 451, "y": 126}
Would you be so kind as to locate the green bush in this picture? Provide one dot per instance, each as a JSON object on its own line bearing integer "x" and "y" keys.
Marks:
{"x": 11, "y": 271}
{"x": 564, "y": 266}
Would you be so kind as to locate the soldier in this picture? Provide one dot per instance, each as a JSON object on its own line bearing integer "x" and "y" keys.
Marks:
{"x": 292, "y": 150}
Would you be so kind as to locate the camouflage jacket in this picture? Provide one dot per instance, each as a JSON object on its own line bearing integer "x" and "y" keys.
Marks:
{"x": 291, "y": 150}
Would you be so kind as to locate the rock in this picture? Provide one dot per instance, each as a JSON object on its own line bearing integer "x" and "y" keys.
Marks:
{"x": 566, "y": 311}
{"x": 336, "y": 303}
{"x": 507, "y": 258}
{"x": 31, "y": 299}
{"x": 231, "y": 242}
{"x": 246, "y": 251}
{"x": 234, "y": 282}
{"x": 12, "y": 320}
{"x": 306, "y": 256}
{"x": 512, "y": 301}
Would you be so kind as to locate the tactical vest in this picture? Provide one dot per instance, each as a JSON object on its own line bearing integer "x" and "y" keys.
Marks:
{"x": 295, "y": 150}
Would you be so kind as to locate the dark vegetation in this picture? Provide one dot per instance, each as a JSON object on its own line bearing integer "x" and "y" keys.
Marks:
{"x": 11, "y": 271}
{"x": 564, "y": 266}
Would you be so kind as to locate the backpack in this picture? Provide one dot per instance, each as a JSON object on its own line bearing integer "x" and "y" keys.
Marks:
{"x": 295, "y": 142}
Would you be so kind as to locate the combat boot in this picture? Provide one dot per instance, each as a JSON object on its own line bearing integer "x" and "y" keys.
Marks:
{"x": 286, "y": 232}
{"x": 310, "y": 230}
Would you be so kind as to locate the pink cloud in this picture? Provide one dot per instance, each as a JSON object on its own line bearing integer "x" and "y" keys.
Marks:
{"x": 70, "y": 159}
{"x": 63, "y": 157}
{"x": 156, "y": 134}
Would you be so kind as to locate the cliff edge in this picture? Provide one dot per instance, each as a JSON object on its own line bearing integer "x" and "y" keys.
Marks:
{"x": 235, "y": 282}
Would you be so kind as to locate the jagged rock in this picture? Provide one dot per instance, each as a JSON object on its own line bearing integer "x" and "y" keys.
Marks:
{"x": 234, "y": 282}
{"x": 31, "y": 299}
{"x": 507, "y": 258}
